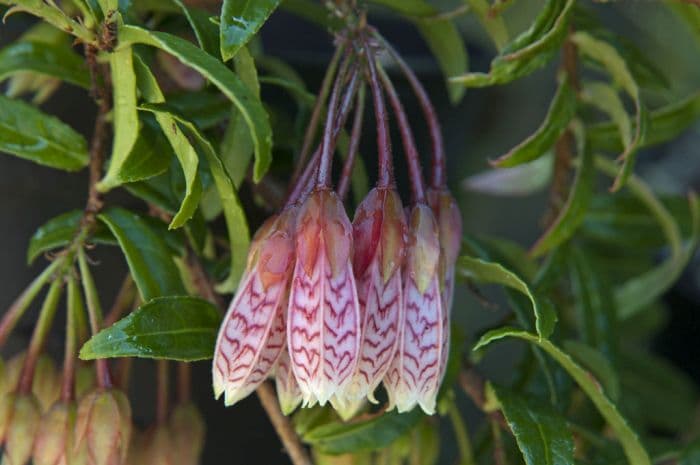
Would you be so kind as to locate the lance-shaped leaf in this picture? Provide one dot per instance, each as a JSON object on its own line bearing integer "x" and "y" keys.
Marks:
{"x": 414, "y": 375}
{"x": 607, "y": 55}
{"x": 236, "y": 222}
{"x": 45, "y": 58}
{"x": 520, "y": 180}
{"x": 542, "y": 434}
{"x": 250, "y": 107}
{"x": 126, "y": 120}
{"x": 252, "y": 334}
{"x": 323, "y": 327}
{"x": 59, "y": 231}
{"x": 240, "y": 20}
{"x": 596, "y": 363}
{"x": 147, "y": 254}
{"x": 341, "y": 438}
{"x": 636, "y": 293}
{"x": 665, "y": 123}
{"x": 491, "y": 272}
{"x": 175, "y": 328}
{"x": 52, "y": 14}
{"x": 573, "y": 212}
{"x": 206, "y": 31}
{"x": 185, "y": 153}
{"x": 33, "y": 135}
{"x": 492, "y": 22}
{"x": 529, "y": 51}
{"x": 204, "y": 108}
{"x": 635, "y": 452}
{"x": 379, "y": 230}
{"x": 561, "y": 110}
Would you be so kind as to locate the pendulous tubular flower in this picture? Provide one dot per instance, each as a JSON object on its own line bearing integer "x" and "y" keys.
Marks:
{"x": 379, "y": 238}
{"x": 103, "y": 427}
{"x": 324, "y": 316}
{"x": 414, "y": 376}
{"x": 253, "y": 333}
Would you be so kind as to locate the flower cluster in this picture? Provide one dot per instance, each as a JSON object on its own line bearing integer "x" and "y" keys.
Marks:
{"x": 334, "y": 308}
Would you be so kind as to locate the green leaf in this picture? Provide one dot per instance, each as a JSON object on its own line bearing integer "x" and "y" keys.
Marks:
{"x": 340, "y": 438}
{"x": 607, "y": 55}
{"x": 45, "y": 58}
{"x": 59, "y": 231}
{"x": 594, "y": 303}
{"x": 606, "y": 99}
{"x": 52, "y": 14}
{"x": 206, "y": 32}
{"x": 174, "y": 328}
{"x": 529, "y": 51}
{"x": 491, "y": 272}
{"x": 147, "y": 254}
{"x": 313, "y": 12}
{"x": 636, "y": 455}
{"x": 493, "y": 23}
{"x": 126, "y": 120}
{"x": 561, "y": 110}
{"x": 156, "y": 190}
{"x": 542, "y": 434}
{"x": 185, "y": 153}
{"x": 574, "y": 210}
{"x": 665, "y": 124}
{"x": 204, "y": 108}
{"x": 598, "y": 364}
{"x": 524, "y": 179}
{"x": 30, "y": 134}
{"x": 149, "y": 157}
{"x": 250, "y": 107}
{"x": 239, "y": 235}
{"x": 240, "y": 20}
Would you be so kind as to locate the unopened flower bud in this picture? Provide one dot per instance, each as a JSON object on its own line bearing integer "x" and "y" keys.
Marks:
{"x": 323, "y": 326}
{"x": 414, "y": 375}
{"x": 46, "y": 385}
{"x": 104, "y": 426}
{"x": 253, "y": 331}
{"x": 84, "y": 379}
{"x": 158, "y": 447}
{"x": 22, "y": 427}
{"x": 379, "y": 238}
{"x": 187, "y": 431}
{"x": 54, "y": 440}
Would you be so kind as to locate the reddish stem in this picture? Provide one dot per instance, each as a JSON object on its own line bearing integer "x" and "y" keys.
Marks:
{"x": 438, "y": 176}
{"x": 409, "y": 144}
{"x": 184, "y": 382}
{"x": 345, "y": 175}
{"x": 162, "y": 391}
{"x": 328, "y": 143}
{"x": 386, "y": 167}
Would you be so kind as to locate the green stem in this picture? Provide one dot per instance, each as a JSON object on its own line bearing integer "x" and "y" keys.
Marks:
{"x": 20, "y": 305}
{"x": 95, "y": 314}
{"x": 464, "y": 444}
{"x": 74, "y": 308}
{"x": 41, "y": 329}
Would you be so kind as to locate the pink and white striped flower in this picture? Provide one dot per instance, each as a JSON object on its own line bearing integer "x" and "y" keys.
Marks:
{"x": 323, "y": 326}
{"x": 379, "y": 238}
{"x": 252, "y": 334}
{"x": 288, "y": 392}
{"x": 449, "y": 223}
{"x": 414, "y": 375}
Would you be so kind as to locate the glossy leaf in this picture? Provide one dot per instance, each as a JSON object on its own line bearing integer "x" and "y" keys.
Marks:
{"x": 561, "y": 110}
{"x": 574, "y": 210}
{"x": 59, "y": 231}
{"x": 529, "y": 51}
{"x": 179, "y": 328}
{"x": 206, "y": 32}
{"x": 52, "y": 14}
{"x": 236, "y": 222}
{"x": 608, "y": 56}
{"x": 156, "y": 190}
{"x": 185, "y": 153}
{"x": 491, "y": 272}
{"x": 635, "y": 452}
{"x": 524, "y": 179}
{"x": 665, "y": 124}
{"x": 45, "y": 58}
{"x": 240, "y": 20}
{"x": 250, "y": 107}
{"x": 33, "y": 135}
{"x": 146, "y": 252}
{"x": 340, "y": 438}
{"x": 542, "y": 434}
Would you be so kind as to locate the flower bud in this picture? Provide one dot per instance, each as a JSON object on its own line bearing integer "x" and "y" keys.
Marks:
{"x": 103, "y": 426}
{"x": 323, "y": 327}
{"x": 46, "y": 385}
{"x": 288, "y": 392}
{"x": 253, "y": 331}
{"x": 158, "y": 447}
{"x": 22, "y": 427}
{"x": 379, "y": 235}
{"x": 84, "y": 379}
{"x": 187, "y": 431}
{"x": 54, "y": 440}
{"x": 414, "y": 375}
